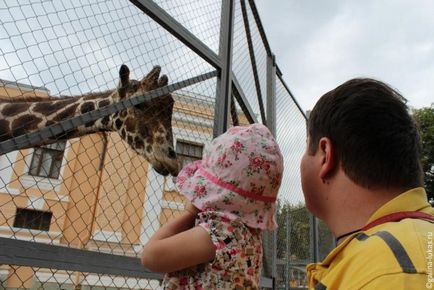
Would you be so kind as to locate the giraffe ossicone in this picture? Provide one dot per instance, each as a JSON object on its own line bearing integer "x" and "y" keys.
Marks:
{"x": 147, "y": 127}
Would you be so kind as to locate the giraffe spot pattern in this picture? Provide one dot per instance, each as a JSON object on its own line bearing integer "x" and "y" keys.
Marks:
{"x": 139, "y": 143}
{"x": 105, "y": 120}
{"x": 87, "y": 107}
{"x": 123, "y": 114}
{"x": 144, "y": 132}
{"x": 4, "y": 130}
{"x": 14, "y": 109}
{"x": 48, "y": 108}
{"x": 160, "y": 140}
{"x": 103, "y": 103}
{"x": 68, "y": 112}
{"x": 130, "y": 124}
{"x": 150, "y": 139}
{"x": 118, "y": 124}
{"x": 95, "y": 96}
{"x": 24, "y": 124}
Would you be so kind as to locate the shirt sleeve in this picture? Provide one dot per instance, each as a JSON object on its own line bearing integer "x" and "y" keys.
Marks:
{"x": 223, "y": 236}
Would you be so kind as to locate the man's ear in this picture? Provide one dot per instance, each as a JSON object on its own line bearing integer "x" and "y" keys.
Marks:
{"x": 326, "y": 151}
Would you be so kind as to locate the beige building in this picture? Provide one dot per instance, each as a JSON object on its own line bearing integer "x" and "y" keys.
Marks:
{"x": 92, "y": 193}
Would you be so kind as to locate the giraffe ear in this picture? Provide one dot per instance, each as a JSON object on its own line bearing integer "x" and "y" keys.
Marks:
{"x": 124, "y": 80}
{"x": 124, "y": 75}
{"x": 150, "y": 81}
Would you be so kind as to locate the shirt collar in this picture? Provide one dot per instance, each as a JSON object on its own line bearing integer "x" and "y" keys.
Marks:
{"x": 412, "y": 200}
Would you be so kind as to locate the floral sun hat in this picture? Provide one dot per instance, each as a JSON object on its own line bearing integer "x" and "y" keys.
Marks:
{"x": 239, "y": 175}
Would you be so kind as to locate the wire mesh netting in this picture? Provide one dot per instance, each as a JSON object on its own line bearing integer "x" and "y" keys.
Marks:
{"x": 91, "y": 193}
{"x": 293, "y": 242}
{"x": 242, "y": 65}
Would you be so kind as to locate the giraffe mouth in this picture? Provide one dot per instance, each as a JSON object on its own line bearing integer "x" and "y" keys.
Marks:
{"x": 162, "y": 171}
{"x": 171, "y": 166}
{"x": 165, "y": 161}
{"x": 165, "y": 172}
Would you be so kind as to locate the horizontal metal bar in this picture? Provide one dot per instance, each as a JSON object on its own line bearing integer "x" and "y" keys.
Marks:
{"x": 39, "y": 255}
{"x": 37, "y": 137}
{"x": 25, "y": 253}
{"x": 178, "y": 30}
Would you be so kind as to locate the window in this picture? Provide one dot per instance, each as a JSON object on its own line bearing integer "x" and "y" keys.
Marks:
{"x": 47, "y": 160}
{"x": 32, "y": 219}
{"x": 188, "y": 152}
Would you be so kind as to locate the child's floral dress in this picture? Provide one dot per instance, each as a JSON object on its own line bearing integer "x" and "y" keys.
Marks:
{"x": 237, "y": 261}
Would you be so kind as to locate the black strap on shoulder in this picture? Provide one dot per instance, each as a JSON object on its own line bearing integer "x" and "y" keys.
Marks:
{"x": 320, "y": 286}
{"x": 396, "y": 247}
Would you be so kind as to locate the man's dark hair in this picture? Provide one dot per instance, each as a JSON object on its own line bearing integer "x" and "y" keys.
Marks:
{"x": 375, "y": 139}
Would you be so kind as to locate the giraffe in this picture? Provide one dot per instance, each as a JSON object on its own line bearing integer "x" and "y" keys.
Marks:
{"x": 145, "y": 127}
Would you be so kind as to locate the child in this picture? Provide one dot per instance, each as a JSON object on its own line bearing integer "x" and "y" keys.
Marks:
{"x": 216, "y": 242}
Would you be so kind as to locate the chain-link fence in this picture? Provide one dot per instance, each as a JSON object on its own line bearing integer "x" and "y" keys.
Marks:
{"x": 82, "y": 185}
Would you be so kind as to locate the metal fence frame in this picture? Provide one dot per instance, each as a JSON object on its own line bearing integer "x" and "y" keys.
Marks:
{"x": 25, "y": 253}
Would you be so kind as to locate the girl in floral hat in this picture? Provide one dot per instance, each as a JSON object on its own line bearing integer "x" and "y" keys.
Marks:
{"x": 216, "y": 242}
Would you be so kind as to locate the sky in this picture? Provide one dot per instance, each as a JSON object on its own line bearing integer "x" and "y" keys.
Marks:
{"x": 321, "y": 44}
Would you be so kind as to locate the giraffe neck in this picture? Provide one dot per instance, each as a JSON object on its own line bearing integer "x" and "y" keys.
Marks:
{"x": 23, "y": 116}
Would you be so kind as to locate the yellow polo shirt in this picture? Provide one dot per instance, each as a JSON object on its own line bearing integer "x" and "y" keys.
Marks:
{"x": 393, "y": 255}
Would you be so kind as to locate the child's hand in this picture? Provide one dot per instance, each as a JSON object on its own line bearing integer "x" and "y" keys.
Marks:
{"x": 189, "y": 207}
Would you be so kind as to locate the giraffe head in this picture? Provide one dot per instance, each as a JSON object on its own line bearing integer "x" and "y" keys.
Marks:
{"x": 147, "y": 127}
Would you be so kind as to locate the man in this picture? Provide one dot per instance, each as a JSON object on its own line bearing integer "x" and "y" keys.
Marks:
{"x": 361, "y": 174}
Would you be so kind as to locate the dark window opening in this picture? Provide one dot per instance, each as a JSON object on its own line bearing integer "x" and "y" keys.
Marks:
{"x": 47, "y": 160}
{"x": 188, "y": 152}
{"x": 32, "y": 219}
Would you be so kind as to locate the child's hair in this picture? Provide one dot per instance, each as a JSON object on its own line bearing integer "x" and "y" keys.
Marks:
{"x": 239, "y": 175}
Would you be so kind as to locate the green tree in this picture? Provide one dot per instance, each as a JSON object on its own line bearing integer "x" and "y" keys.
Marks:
{"x": 297, "y": 217}
{"x": 425, "y": 119}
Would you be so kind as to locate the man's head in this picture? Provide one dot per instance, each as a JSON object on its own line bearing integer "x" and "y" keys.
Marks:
{"x": 374, "y": 140}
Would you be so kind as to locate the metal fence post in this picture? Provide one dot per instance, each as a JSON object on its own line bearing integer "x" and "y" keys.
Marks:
{"x": 271, "y": 94}
{"x": 288, "y": 249}
{"x": 224, "y": 81}
{"x": 253, "y": 61}
{"x": 271, "y": 124}
{"x": 314, "y": 249}
{"x": 314, "y": 239}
